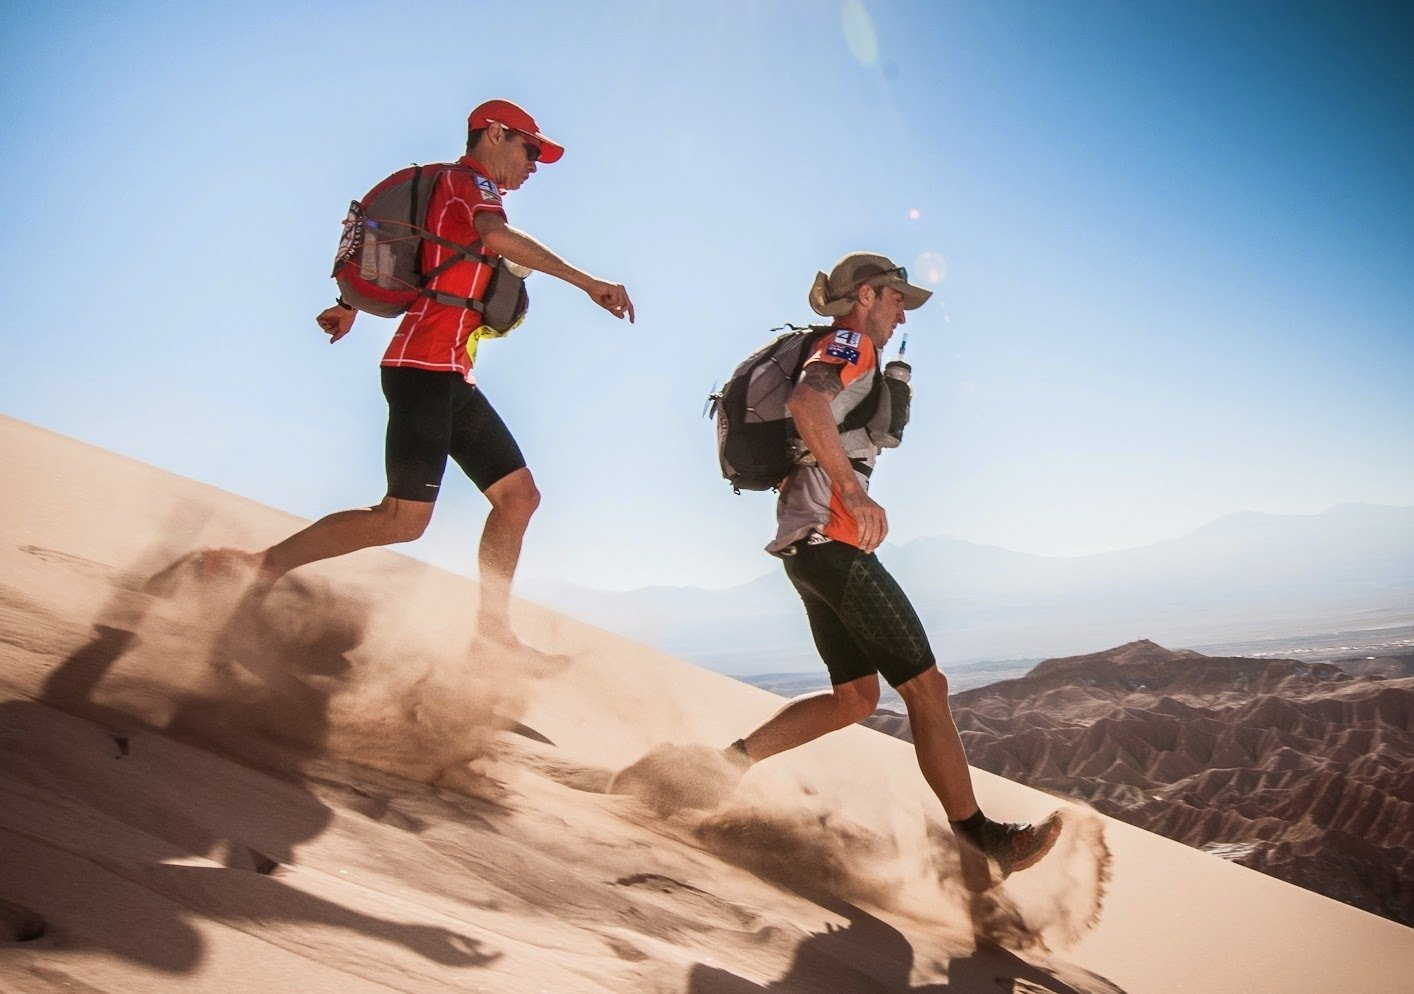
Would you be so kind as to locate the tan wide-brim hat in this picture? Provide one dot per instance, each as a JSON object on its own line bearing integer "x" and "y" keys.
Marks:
{"x": 834, "y": 295}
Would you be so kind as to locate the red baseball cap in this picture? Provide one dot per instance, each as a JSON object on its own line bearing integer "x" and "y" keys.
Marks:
{"x": 514, "y": 117}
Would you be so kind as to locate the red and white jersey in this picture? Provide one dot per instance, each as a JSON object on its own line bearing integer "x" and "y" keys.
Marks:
{"x": 433, "y": 335}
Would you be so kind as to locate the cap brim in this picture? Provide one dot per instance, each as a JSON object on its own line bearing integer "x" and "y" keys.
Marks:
{"x": 549, "y": 151}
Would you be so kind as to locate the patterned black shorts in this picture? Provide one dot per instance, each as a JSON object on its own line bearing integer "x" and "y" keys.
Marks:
{"x": 861, "y": 619}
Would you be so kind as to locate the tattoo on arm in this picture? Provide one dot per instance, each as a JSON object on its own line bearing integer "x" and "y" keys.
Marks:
{"x": 823, "y": 377}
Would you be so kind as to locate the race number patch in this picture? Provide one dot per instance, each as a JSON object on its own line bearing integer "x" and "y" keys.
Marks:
{"x": 845, "y": 346}
{"x": 489, "y": 193}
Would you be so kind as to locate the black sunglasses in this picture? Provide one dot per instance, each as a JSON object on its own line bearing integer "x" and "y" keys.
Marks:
{"x": 899, "y": 271}
{"x": 532, "y": 148}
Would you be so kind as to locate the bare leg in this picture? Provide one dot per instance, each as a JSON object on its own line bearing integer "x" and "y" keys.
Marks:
{"x": 514, "y": 499}
{"x": 937, "y": 743}
{"x": 390, "y": 521}
{"x": 809, "y": 717}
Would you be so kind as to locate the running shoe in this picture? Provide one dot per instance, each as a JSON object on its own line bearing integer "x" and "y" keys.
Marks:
{"x": 1018, "y": 847}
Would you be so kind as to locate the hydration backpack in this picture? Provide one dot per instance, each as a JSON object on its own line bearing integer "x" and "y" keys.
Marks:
{"x": 378, "y": 265}
{"x": 757, "y": 444}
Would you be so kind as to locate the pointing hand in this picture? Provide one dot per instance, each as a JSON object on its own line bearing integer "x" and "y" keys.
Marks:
{"x": 612, "y": 297}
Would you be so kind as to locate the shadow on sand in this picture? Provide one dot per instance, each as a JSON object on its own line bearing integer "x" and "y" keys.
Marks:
{"x": 140, "y": 820}
{"x": 870, "y": 956}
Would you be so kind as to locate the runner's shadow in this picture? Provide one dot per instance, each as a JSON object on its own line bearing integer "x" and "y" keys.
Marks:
{"x": 870, "y": 956}
{"x": 866, "y": 956}
{"x": 996, "y": 970}
{"x": 99, "y": 841}
{"x": 171, "y": 656}
{"x": 204, "y": 662}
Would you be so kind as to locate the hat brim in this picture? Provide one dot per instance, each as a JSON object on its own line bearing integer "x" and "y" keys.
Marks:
{"x": 821, "y": 303}
{"x": 914, "y": 297}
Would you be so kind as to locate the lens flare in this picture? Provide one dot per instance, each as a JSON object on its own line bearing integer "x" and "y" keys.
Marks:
{"x": 914, "y": 213}
{"x": 931, "y": 268}
{"x": 859, "y": 33}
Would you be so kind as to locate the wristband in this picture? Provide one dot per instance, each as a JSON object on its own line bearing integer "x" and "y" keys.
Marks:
{"x": 343, "y": 303}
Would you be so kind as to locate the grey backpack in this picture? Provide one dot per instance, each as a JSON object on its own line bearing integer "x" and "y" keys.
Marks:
{"x": 755, "y": 430}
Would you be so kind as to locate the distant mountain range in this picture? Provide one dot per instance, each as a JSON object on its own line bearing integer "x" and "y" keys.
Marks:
{"x": 1297, "y": 769}
{"x": 1245, "y": 576}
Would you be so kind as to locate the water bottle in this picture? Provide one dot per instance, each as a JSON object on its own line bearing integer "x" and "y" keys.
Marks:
{"x": 897, "y": 377}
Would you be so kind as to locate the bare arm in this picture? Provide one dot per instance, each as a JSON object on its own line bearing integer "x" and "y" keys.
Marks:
{"x": 810, "y": 407}
{"x": 517, "y": 246}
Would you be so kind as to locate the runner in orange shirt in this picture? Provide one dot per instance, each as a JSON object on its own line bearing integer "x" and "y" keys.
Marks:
{"x": 435, "y": 407}
{"x": 827, "y": 530}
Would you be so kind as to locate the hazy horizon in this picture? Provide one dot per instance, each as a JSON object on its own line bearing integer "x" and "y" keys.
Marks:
{"x": 771, "y": 565}
{"x": 1241, "y": 579}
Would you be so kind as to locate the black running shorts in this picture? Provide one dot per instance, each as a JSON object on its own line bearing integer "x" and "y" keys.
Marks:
{"x": 861, "y": 619}
{"x": 432, "y": 415}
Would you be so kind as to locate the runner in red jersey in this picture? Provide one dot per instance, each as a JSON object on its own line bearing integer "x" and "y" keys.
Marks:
{"x": 435, "y": 408}
{"x": 827, "y": 530}
{"x": 433, "y": 335}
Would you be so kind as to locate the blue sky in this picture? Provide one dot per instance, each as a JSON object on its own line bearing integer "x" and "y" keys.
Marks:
{"x": 1175, "y": 250}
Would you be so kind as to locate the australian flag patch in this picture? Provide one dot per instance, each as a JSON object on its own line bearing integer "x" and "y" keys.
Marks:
{"x": 845, "y": 346}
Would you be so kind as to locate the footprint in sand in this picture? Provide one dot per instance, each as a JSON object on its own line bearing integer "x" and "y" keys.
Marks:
{"x": 685, "y": 899}
{"x": 245, "y": 858}
{"x": 120, "y": 577}
{"x": 19, "y": 924}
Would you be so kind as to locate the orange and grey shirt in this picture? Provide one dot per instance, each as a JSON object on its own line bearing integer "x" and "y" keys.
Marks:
{"x": 433, "y": 335}
{"x": 808, "y": 503}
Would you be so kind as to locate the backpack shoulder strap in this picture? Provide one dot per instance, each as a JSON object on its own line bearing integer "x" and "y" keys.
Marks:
{"x": 459, "y": 252}
{"x": 861, "y": 413}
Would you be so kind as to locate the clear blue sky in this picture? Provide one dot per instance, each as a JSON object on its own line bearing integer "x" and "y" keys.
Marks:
{"x": 1175, "y": 245}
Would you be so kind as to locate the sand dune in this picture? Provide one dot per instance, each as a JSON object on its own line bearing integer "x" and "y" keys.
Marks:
{"x": 330, "y": 791}
{"x": 1296, "y": 769}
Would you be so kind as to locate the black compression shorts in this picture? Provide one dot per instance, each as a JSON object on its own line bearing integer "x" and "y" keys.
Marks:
{"x": 432, "y": 415}
{"x": 861, "y": 620}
